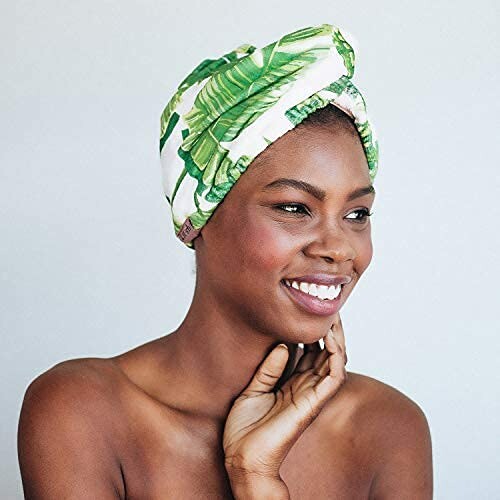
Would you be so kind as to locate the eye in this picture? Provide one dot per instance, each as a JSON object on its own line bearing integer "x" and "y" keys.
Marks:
{"x": 363, "y": 214}
{"x": 292, "y": 208}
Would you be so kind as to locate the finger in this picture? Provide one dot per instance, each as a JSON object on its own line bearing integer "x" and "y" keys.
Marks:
{"x": 268, "y": 372}
{"x": 320, "y": 358}
{"x": 309, "y": 403}
{"x": 332, "y": 343}
{"x": 335, "y": 377}
{"x": 307, "y": 359}
{"x": 333, "y": 348}
{"x": 338, "y": 333}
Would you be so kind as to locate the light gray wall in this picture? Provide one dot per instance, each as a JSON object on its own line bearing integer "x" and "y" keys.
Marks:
{"x": 90, "y": 266}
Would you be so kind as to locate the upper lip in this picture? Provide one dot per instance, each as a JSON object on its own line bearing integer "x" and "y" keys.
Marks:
{"x": 323, "y": 279}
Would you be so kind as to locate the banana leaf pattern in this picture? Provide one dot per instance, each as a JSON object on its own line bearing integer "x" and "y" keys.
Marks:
{"x": 228, "y": 110}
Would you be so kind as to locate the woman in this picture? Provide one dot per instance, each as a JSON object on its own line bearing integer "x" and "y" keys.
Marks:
{"x": 228, "y": 405}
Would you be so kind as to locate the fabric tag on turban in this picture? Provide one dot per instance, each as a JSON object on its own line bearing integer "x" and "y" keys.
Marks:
{"x": 228, "y": 110}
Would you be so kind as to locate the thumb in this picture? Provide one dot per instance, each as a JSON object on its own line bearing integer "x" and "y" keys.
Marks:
{"x": 268, "y": 373}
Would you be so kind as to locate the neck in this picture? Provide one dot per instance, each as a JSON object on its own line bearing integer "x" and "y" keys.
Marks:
{"x": 212, "y": 357}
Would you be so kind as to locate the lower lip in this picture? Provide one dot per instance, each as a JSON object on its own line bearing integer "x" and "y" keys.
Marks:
{"x": 312, "y": 304}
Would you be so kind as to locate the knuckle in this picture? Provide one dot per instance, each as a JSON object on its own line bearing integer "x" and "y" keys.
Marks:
{"x": 337, "y": 343}
{"x": 309, "y": 412}
{"x": 340, "y": 376}
{"x": 266, "y": 378}
{"x": 236, "y": 461}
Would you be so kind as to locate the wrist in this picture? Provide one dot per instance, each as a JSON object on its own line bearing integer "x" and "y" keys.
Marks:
{"x": 253, "y": 486}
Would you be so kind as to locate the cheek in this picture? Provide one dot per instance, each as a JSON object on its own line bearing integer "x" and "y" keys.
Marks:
{"x": 265, "y": 247}
{"x": 364, "y": 254}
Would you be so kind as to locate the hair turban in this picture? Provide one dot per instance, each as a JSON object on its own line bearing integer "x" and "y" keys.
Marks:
{"x": 228, "y": 110}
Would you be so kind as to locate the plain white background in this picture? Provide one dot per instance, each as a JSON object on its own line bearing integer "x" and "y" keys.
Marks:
{"x": 89, "y": 262}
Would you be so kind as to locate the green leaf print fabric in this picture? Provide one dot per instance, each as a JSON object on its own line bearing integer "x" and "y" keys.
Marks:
{"x": 228, "y": 110}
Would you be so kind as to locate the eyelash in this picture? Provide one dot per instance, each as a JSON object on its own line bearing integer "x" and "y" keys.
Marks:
{"x": 366, "y": 213}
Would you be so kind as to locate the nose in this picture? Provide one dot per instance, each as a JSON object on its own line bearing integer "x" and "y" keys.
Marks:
{"x": 331, "y": 243}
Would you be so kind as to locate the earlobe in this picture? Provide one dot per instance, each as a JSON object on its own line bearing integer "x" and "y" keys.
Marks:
{"x": 198, "y": 241}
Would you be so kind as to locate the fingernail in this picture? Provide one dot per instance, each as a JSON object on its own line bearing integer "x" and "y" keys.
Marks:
{"x": 283, "y": 345}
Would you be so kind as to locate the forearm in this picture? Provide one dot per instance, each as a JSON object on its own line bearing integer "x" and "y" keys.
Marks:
{"x": 256, "y": 487}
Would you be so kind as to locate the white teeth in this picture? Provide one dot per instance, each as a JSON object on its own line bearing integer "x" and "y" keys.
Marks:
{"x": 321, "y": 291}
{"x": 333, "y": 292}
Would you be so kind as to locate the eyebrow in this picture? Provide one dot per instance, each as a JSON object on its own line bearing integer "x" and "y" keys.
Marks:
{"x": 315, "y": 191}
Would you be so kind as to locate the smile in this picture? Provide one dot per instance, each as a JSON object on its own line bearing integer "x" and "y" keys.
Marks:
{"x": 323, "y": 292}
{"x": 309, "y": 296}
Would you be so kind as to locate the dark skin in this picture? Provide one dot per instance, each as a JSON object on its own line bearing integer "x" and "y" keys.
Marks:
{"x": 150, "y": 423}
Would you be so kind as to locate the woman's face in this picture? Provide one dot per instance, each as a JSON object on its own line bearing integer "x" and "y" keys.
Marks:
{"x": 268, "y": 230}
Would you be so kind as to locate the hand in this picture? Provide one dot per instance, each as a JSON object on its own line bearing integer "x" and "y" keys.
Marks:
{"x": 264, "y": 423}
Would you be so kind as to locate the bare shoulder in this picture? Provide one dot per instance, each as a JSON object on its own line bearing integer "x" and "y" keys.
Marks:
{"x": 84, "y": 384}
{"x": 83, "y": 390}
{"x": 381, "y": 398}
{"x": 66, "y": 431}
{"x": 396, "y": 433}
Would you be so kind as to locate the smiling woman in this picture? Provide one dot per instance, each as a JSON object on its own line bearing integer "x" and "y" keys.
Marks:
{"x": 268, "y": 161}
{"x": 297, "y": 220}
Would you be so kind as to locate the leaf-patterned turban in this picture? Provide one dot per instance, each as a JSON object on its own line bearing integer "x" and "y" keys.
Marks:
{"x": 228, "y": 110}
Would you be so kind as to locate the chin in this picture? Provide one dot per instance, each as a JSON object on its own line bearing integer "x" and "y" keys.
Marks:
{"x": 288, "y": 319}
{"x": 313, "y": 334}
{"x": 312, "y": 313}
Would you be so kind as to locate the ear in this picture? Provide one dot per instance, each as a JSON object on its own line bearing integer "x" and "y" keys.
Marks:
{"x": 196, "y": 241}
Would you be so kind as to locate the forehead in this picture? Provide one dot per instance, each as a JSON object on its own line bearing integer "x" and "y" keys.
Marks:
{"x": 331, "y": 158}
